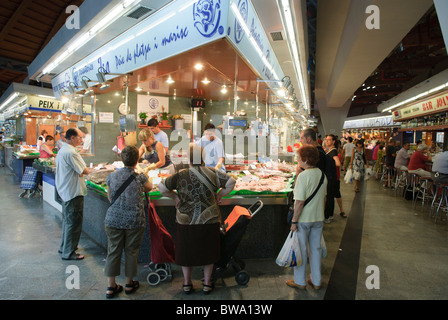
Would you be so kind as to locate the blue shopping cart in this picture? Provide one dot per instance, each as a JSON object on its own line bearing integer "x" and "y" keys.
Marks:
{"x": 31, "y": 182}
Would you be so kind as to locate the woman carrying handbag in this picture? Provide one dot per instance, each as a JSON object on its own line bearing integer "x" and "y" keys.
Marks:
{"x": 125, "y": 222}
{"x": 308, "y": 219}
{"x": 198, "y": 219}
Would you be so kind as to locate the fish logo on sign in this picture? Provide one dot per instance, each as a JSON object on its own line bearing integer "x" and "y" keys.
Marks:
{"x": 244, "y": 11}
{"x": 153, "y": 103}
{"x": 207, "y": 16}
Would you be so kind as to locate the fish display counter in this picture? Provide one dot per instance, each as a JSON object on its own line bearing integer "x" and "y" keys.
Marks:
{"x": 264, "y": 236}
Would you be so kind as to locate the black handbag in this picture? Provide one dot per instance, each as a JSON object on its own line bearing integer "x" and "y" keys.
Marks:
{"x": 291, "y": 198}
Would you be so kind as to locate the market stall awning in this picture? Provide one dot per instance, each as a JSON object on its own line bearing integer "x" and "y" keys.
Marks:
{"x": 175, "y": 30}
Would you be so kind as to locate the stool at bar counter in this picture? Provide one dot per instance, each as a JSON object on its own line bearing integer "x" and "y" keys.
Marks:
{"x": 388, "y": 175}
{"x": 412, "y": 179}
{"x": 443, "y": 188}
{"x": 401, "y": 179}
{"x": 424, "y": 185}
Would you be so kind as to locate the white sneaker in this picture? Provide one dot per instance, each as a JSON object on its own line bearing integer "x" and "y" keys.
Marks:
{"x": 327, "y": 221}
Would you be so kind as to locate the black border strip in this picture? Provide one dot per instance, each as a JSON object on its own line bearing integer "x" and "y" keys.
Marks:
{"x": 344, "y": 276}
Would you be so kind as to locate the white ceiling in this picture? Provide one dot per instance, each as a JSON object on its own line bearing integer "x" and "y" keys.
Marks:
{"x": 269, "y": 15}
{"x": 348, "y": 52}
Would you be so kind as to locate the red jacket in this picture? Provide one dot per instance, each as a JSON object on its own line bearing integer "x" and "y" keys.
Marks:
{"x": 418, "y": 161}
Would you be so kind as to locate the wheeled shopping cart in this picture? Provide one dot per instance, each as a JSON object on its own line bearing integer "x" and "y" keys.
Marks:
{"x": 235, "y": 226}
{"x": 31, "y": 181}
{"x": 162, "y": 248}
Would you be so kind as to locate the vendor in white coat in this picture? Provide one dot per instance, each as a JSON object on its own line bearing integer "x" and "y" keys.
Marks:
{"x": 213, "y": 148}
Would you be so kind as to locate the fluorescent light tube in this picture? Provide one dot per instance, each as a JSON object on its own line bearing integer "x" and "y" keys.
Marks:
{"x": 156, "y": 23}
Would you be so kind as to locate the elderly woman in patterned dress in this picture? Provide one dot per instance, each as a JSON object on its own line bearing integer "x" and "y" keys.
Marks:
{"x": 198, "y": 219}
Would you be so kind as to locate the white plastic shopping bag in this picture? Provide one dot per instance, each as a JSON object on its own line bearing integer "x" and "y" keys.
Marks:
{"x": 348, "y": 176}
{"x": 368, "y": 174}
{"x": 323, "y": 246}
{"x": 290, "y": 255}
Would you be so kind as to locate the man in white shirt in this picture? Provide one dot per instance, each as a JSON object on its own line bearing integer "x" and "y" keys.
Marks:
{"x": 213, "y": 148}
{"x": 440, "y": 168}
{"x": 61, "y": 141}
{"x": 160, "y": 135}
{"x": 403, "y": 157}
{"x": 71, "y": 187}
{"x": 86, "y": 146}
{"x": 348, "y": 148}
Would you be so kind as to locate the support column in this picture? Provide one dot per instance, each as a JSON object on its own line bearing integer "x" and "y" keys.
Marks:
{"x": 442, "y": 11}
{"x": 333, "y": 118}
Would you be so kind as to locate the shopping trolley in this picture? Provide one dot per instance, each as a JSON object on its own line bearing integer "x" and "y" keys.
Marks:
{"x": 162, "y": 248}
{"x": 233, "y": 230}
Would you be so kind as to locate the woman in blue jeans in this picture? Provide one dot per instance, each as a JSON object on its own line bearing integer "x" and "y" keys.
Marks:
{"x": 308, "y": 220}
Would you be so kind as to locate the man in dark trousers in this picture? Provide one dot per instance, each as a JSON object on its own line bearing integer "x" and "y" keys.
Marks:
{"x": 331, "y": 142}
{"x": 309, "y": 137}
{"x": 391, "y": 154}
{"x": 71, "y": 187}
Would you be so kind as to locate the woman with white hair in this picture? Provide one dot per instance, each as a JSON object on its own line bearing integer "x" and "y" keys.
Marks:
{"x": 417, "y": 163}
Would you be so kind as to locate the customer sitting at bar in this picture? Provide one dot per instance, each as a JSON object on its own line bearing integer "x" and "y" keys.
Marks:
{"x": 440, "y": 168}
{"x": 417, "y": 163}
{"x": 403, "y": 157}
{"x": 125, "y": 222}
{"x": 46, "y": 148}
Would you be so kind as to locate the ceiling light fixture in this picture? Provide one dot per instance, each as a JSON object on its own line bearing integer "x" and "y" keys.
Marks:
{"x": 72, "y": 88}
{"x": 101, "y": 75}
{"x": 170, "y": 80}
{"x": 168, "y": 16}
{"x": 85, "y": 84}
{"x": 206, "y": 81}
{"x": 224, "y": 89}
{"x": 199, "y": 66}
{"x": 10, "y": 99}
{"x": 288, "y": 24}
{"x": 186, "y": 6}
